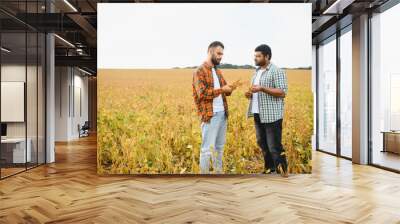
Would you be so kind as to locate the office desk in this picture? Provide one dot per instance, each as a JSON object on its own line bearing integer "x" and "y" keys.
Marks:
{"x": 391, "y": 141}
{"x": 13, "y": 150}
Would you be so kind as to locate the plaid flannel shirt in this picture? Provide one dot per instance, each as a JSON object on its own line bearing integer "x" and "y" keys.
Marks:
{"x": 204, "y": 92}
{"x": 271, "y": 108}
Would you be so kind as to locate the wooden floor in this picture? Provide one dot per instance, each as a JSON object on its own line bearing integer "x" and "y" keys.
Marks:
{"x": 387, "y": 159}
{"x": 70, "y": 191}
{"x": 5, "y": 172}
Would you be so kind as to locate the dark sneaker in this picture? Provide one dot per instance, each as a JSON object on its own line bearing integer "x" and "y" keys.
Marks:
{"x": 268, "y": 171}
{"x": 282, "y": 171}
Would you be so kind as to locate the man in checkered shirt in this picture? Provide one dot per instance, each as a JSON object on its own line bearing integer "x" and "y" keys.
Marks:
{"x": 266, "y": 96}
{"x": 209, "y": 93}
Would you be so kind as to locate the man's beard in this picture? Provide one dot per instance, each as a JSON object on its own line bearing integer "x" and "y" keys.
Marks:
{"x": 215, "y": 61}
{"x": 261, "y": 63}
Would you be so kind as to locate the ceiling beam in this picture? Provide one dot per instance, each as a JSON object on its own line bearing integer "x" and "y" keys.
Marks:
{"x": 86, "y": 26}
{"x": 82, "y": 61}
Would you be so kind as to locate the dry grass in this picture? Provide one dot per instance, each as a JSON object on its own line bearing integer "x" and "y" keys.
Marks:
{"x": 147, "y": 123}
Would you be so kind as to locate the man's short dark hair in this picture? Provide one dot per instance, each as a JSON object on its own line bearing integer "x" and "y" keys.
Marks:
{"x": 265, "y": 50}
{"x": 216, "y": 44}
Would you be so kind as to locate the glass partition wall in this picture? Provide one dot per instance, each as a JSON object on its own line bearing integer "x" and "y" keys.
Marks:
{"x": 334, "y": 104}
{"x": 327, "y": 95}
{"x": 334, "y": 90}
{"x": 22, "y": 77}
{"x": 13, "y": 89}
{"x": 345, "y": 62}
{"x": 385, "y": 89}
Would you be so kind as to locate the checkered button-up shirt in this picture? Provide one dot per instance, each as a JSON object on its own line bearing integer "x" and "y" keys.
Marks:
{"x": 271, "y": 108}
{"x": 204, "y": 92}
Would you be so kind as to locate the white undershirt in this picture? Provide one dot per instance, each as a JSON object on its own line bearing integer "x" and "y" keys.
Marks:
{"x": 254, "y": 103}
{"x": 218, "y": 103}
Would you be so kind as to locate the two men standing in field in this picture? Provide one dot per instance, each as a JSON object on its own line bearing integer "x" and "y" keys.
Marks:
{"x": 266, "y": 96}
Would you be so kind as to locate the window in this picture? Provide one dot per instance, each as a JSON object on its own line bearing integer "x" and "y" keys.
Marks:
{"x": 327, "y": 96}
{"x": 385, "y": 89}
{"x": 346, "y": 94}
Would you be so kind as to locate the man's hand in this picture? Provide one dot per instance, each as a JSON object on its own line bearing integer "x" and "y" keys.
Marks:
{"x": 226, "y": 89}
{"x": 256, "y": 88}
{"x": 233, "y": 87}
{"x": 248, "y": 94}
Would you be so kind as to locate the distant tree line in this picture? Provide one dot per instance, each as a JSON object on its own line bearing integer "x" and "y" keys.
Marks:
{"x": 232, "y": 66}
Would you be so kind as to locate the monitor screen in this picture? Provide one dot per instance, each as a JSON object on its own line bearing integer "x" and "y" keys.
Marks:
{"x": 3, "y": 129}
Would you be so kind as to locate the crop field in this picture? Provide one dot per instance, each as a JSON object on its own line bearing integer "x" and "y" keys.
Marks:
{"x": 147, "y": 123}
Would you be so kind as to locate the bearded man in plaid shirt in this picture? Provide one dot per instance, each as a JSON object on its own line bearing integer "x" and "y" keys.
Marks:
{"x": 209, "y": 92}
{"x": 266, "y": 96}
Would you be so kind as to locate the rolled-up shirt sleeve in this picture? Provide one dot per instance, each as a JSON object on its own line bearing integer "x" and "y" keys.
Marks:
{"x": 281, "y": 80}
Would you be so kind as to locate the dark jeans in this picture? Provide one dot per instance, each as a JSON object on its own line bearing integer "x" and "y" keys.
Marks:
{"x": 269, "y": 138}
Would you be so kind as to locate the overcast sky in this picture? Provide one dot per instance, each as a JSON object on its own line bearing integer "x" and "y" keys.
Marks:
{"x": 148, "y": 35}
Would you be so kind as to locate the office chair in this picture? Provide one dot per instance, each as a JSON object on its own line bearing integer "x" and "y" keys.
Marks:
{"x": 84, "y": 130}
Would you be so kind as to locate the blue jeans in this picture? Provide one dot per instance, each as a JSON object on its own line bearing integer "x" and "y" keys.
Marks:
{"x": 213, "y": 134}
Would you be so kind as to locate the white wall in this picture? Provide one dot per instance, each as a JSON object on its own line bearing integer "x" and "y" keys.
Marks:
{"x": 12, "y": 73}
{"x": 62, "y": 82}
{"x": 70, "y": 84}
{"x": 80, "y": 100}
